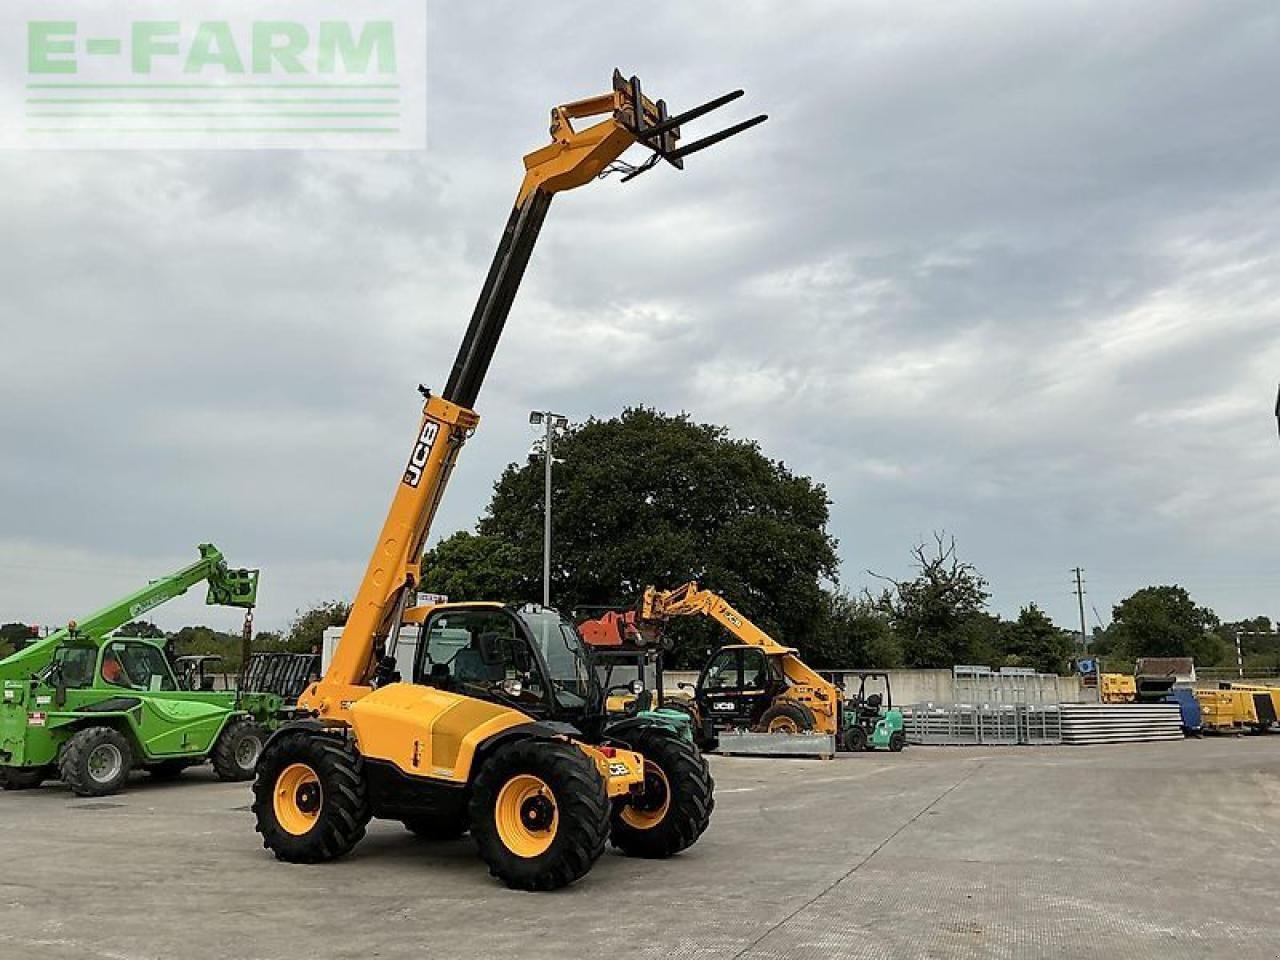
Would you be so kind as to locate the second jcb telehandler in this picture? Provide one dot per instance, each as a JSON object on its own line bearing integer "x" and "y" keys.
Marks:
{"x": 539, "y": 797}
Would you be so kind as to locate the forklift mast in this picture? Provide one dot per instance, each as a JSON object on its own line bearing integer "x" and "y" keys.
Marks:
{"x": 227, "y": 587}
{"x": 572, "y": 159}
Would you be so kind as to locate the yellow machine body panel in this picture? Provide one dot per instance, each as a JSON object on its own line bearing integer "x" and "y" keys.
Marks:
{"x": 427, "y": 732}
{"x": 1226, "y": 709}
{"x": 1117, "y": 688}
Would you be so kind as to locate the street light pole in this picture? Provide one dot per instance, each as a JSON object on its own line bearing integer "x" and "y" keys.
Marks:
{"x": 550, "y": 422}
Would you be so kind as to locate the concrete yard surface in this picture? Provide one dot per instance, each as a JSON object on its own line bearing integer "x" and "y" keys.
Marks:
{"x": 1165, "y": 850}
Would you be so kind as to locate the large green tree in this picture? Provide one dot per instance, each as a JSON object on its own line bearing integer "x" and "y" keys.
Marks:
{"x": 1033, "y": 640}
{"x": 1164, "y": 621}
{"x": 647, "y": 498}
{"x": 852, "y": 632}
{"x": 306, "y": 630}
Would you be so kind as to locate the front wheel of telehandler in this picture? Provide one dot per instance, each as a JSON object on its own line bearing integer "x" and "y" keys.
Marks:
{"x": 235, "y": 754}
{"x": 539, "y": 814}
{"x": 95, "y": 762}
{"x": 310, "y": 799}
{"x": 675, "y": 807}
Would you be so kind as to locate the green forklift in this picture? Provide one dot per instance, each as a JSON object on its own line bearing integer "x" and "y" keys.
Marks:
{"x": 869, "y": 720}
{"x": 87, "y": 707}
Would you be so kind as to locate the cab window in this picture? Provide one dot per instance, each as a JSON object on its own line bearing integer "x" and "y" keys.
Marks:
{"x": 722, "y": 672}
{"x": 479, "y": 653}
{"x": 755, "y": 670}
{"x": 74, "y": 666}
{"x": 137, "y": 666}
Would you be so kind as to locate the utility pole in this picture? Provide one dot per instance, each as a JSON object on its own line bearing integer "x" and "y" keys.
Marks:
{"x": 551, "y": 424}
{"x": 1084, "y": 636}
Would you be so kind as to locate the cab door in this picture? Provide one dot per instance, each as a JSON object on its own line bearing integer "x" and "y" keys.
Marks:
{"x": 735, "y": 687}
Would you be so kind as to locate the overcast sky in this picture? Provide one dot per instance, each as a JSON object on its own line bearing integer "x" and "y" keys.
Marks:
{"x": 1007, "y": 269}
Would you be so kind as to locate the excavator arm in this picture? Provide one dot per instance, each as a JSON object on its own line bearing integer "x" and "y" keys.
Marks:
{"x": 573, "y": 158}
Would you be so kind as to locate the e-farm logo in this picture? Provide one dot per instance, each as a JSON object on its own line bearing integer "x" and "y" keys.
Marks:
{"x": 224, "y": 73}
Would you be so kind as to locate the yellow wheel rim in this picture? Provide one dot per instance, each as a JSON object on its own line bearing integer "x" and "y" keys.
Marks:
{"x": 783, "y": 725}
{"x": 526, "y": 815}
{"x": 648, "y": 810}
{"x": 298, "y": 799}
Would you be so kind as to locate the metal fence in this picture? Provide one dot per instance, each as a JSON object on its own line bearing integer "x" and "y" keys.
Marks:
{"x": 991, "y": 725}
{"x": 993, "y": 707}
{"x": 958, "y": 724}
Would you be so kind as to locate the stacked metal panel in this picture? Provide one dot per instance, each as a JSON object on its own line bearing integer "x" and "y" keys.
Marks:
{"x": 961, "y": 724}
{"x": 1088, "y": 723}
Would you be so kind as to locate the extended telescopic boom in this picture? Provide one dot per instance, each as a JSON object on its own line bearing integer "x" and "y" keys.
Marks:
{"x": 573, "y": 158}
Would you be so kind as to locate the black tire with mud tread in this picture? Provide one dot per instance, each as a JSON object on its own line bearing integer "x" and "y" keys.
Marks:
{"x": 854, "y": 739}
{"x": 73, "y": 761}
{"x": 24, "y": 778}
{"x": 344, "y": 811}
{"x": 583, "y": 808}
{"x": 436, "y": 829}
{"x": 801, "y": 715}
{"x": 692, "y": 797}
{"x": 223, "y": 754}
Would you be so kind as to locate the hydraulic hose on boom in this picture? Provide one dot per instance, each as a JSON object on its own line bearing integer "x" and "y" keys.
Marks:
{"x": 572, "y": 159}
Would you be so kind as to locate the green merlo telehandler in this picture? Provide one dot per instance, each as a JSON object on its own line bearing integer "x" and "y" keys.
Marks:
{"x": 86, "y": 706}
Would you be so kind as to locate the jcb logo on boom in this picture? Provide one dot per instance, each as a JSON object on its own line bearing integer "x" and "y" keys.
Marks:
{"x": 421, "y": 451}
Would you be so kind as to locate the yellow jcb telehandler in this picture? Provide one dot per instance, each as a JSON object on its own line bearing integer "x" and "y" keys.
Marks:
{"x": 434, "y": 753}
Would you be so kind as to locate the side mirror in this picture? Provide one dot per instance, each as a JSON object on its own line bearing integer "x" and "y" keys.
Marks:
{"x": 637, "y": 687}
{"x": 513, "y": 687}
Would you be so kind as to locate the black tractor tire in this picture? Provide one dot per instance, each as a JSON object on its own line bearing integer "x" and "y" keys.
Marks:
{"x": 325, "y": 812}
{"x": 437, "y": 829}
{"x": 897, "y": 740}
{"x": 236, "y": 752}
{"x": 167, "y": 770}
{"x": 854, "y": 739}
{"x": 95, "y": 762}
{"x": 787, "y": 713}
{"x": 572, "y": 798}
{"x": 24, "y": 778}
{"x": 679, "y": 797}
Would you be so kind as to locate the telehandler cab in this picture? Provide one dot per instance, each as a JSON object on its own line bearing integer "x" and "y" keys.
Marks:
{"x": 539, "y": 801}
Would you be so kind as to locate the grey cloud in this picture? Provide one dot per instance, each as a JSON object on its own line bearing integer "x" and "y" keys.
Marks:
{"x": 1003, "y": 269}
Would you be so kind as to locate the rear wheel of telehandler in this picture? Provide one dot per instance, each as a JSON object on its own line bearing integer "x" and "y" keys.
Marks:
{"x": 235, "y": 755}
{"x": 897, "y": 740}
{"x": 436, "y": 828}
{"x": 95, "y": 762}
{"x": 678, "y": 798}
{"x": 310, "y": 798}
{"x": 786, "y": 718}
{"x": 539, "y": 814}
{"x": 24, "y": 778}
